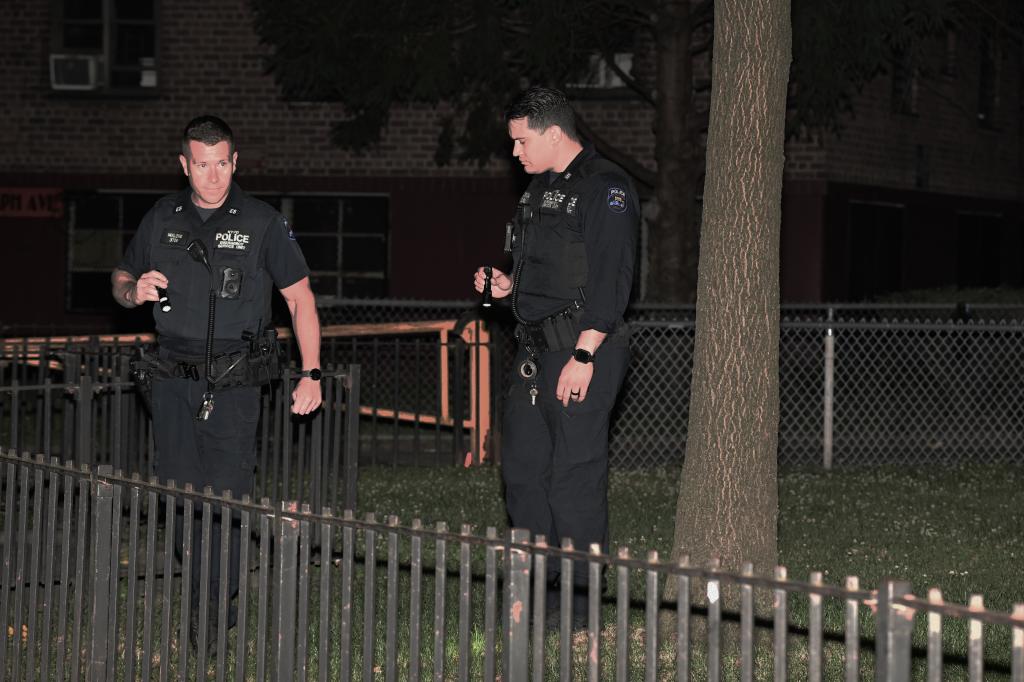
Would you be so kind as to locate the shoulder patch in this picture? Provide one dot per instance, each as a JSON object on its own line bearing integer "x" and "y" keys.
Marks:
{"x": 616, "y": 200}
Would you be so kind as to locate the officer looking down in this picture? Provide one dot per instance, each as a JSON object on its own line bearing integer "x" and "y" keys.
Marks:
{"x": 211, "y": 254}
{"x": 573, "y": 247}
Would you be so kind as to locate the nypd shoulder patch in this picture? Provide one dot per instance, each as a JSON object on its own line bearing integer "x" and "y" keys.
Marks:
{"x": 617, "y": 199}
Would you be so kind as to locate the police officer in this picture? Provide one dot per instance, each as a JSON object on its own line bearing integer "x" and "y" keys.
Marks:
{"x": 573, "y": 249}
{"x": 212, "y": 253}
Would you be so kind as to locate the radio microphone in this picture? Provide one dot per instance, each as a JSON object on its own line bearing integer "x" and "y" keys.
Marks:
{"x": 163, "y": 301}
{"x": 485, "y": 300}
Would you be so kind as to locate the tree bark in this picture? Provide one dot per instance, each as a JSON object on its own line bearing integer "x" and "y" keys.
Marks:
{"x": 674, "y": 228}
{"x": 728, "y": 498}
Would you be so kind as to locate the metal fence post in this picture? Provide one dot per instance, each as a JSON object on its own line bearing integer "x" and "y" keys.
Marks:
{"x": 830, "y": 367}
{"x": 351, "y": 454}
{"x": 518, "y": 608}
{"x": 103, "y": 494}
{"x": 892, "y": 636}
{"x": 286, "y": 588}
{"x": 83, "y": 421}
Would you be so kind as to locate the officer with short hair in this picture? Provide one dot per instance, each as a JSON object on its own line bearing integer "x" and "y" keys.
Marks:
{"x": 573, "y": 246}
{"x": 211, "y": 253}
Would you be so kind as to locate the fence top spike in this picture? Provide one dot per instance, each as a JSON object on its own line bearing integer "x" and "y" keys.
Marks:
{"x": 467, "y": 529}
{"x": 977, "y": 602}
{"x": 852, "y": 582}
{"x": 326, "y": 511}
{"x": 748, "y": 569}
{"x": 817, "y": 578}
{"x": 540, "y": 540}
{"x": 935, "y": 596}
{"x": 684, "y": 561}
{"x": 623, "y": 552}
{"x": 567, "y": 544}
{"x": 715, "y": 563}
{"x": 1018, "y": 612}
{"x": 417, "y": 524}
{"x": 226, "y": 494}
{"x": 370, "y": 517}
{"x": 393, "y": 520}
{"x": 348, "y": 515}
{"x": 306, "y": 509}
{"x": 442, "y": 527}
{"x": 595, "y": 548}
{"x": 781, "y": 572}
{"x": 652, "y": 556}
{"x": 492, "y": 533}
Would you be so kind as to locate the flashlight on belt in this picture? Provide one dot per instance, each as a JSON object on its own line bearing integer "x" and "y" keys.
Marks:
{"x": 485, "y": 300}
{"x": 162, "y": 300}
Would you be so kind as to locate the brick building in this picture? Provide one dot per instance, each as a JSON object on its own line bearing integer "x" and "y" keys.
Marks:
{"x": 922, "y": 189}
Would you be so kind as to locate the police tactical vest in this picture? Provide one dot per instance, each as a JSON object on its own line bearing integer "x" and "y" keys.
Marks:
{"x": 548, "y": 222}
{"x": 233, "y": 237}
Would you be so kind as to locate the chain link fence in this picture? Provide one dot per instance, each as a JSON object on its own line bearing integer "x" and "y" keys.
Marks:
{"x": 908, "y": 385}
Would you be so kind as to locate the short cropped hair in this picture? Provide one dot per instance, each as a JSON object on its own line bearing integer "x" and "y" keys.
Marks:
{"x": 543, "y": 108}
{"x": 209, "y": 130}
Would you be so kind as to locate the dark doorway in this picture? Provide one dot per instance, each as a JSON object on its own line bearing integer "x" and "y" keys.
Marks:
{"x": 875, "y": 249}
{"x": 978, "y": 262}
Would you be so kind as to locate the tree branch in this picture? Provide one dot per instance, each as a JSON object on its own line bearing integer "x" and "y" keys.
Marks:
{"x": 629, "y": 164}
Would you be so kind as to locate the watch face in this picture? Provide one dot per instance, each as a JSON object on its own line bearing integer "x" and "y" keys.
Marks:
{"x": 315, "y": 374}
{"x": 583, "y": 355}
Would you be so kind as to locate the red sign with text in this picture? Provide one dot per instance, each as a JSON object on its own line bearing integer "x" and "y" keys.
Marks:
{"x": 31, "y": 202}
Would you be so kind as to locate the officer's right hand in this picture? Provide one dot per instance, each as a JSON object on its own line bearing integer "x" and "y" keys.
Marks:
{"x": 501, "y": 284}
{"x": 145, "y": 287}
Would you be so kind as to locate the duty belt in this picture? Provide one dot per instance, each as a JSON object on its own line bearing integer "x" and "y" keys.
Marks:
{"x": 554, "y": 332}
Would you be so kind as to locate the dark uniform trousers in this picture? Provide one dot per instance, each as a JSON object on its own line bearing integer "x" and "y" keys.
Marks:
{"x": 555, "y": 458}
{"x": 219, "y": 452}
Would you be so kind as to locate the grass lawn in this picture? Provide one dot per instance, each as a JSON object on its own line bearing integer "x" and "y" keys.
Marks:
{"x": 960, "y": 529}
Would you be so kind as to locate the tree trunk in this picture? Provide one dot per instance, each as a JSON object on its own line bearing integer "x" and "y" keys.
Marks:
{"x": 728, "y": 497}
{"x": 674, "y": 229}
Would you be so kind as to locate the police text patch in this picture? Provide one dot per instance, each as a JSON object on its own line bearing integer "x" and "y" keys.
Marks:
{"x": 174, "y": 237}
{"x": 233, "y": 240}
{"x": 552, "y": 199}
{"x": 617, "y": 199}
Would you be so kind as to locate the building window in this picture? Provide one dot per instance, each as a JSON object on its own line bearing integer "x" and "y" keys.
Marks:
{"x": 904, "y": 86}
{"x": 344, "y": 240}
{"x": 104, "y": 45}
{"x": 988, "y": 83}
{"x": 99, "y": 228}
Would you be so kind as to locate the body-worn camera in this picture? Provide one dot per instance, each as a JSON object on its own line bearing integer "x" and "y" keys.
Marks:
{"x": 230, "y": 283}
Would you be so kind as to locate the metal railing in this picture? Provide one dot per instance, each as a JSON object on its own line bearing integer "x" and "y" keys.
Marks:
{"x": 852, "y": 391}
{"x": 91, "y": 586}
{"x": 859, "y": 384}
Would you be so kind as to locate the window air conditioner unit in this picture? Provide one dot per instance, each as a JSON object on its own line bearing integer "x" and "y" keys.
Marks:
{"x": 74, "y": 71}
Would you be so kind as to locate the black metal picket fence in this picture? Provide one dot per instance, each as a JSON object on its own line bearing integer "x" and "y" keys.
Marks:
{"x": 74, "y": 400}
{"x": 91, "y": 589}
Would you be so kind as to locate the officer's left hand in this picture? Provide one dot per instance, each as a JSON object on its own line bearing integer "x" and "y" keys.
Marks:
{"x": 306, "y": 397}
{"x": 574, "y": 381}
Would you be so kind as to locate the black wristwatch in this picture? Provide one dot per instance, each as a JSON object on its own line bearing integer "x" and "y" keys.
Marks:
{"x": 582, "y": 355}
{"x": 313, "y": 374}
